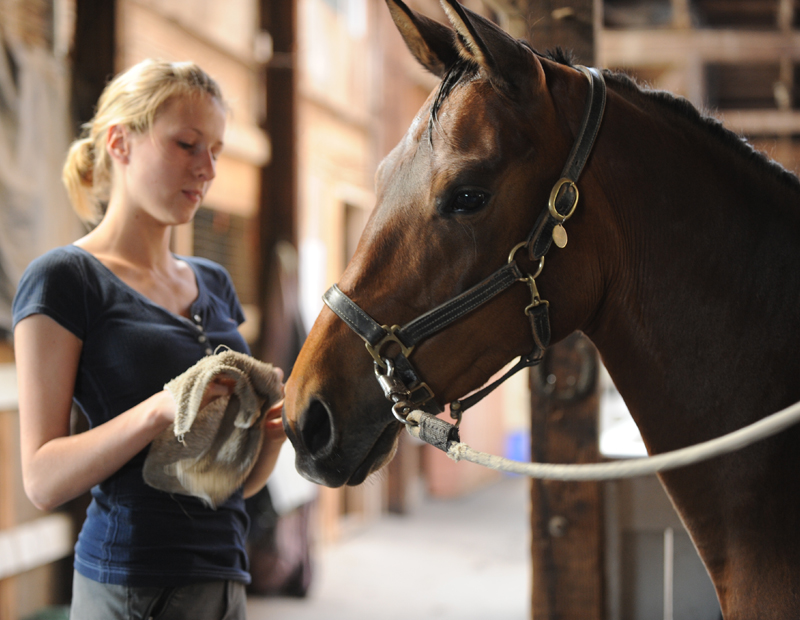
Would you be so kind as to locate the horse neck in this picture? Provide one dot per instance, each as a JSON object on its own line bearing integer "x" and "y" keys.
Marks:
{"x": 700, "y": 316}
{"x": 699, "y": 327}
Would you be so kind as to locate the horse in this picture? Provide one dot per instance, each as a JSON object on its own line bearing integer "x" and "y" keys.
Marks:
{"x": 682, "y": 267}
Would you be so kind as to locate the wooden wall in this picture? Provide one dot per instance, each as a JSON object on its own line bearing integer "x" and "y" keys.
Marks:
{"x": 32, "y": 544}
{"x": 737, "y": 60}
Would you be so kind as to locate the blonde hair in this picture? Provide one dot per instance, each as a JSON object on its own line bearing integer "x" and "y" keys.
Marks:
{"x": 132, "y": 99}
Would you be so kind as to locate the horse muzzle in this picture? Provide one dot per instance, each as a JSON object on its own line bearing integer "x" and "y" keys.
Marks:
{"x": 328, "y": 457}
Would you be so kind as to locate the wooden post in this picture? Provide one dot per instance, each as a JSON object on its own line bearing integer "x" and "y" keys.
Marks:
{"x": 8, "y": 435}
{"x": 93, "y": 55}
{"x": 278, "y": 209}
{"x": 569, "y": 25}
{"x": 566, "y": 518}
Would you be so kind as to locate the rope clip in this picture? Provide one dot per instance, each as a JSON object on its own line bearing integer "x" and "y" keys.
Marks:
{"x": 394, "y": 390}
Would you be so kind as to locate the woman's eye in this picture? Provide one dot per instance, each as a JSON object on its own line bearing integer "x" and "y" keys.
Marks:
{"x": 469, "y": 200}
{"x": 186, "y": 146}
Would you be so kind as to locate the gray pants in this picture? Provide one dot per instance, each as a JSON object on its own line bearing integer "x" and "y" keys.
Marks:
{"x": 215, "y": 600}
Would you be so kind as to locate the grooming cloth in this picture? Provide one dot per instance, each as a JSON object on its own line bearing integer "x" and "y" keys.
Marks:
{"x": 209, "y": 452}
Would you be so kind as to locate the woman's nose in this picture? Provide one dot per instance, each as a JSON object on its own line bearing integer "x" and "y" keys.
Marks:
{"x": 207, "y": 165}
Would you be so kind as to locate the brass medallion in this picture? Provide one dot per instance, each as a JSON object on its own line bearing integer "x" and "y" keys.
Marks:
{"x": 560, "y": 236}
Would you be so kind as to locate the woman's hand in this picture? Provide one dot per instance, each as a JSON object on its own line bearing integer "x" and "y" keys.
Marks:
{"x": 274, "y": 436}
{"x": 273, "y": 424}
{"x": 218, "y": 387}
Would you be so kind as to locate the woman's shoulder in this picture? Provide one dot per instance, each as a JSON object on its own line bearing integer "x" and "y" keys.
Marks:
{"x": 60, "y": 268}
{"x": 64, "y": 258}
{"x": 55, "y": 284}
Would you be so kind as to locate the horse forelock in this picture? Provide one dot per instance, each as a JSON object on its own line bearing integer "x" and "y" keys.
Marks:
{"x": 461, "y": 70}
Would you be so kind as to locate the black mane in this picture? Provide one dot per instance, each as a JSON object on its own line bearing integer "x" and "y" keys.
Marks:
{"x": 685, "y": 109}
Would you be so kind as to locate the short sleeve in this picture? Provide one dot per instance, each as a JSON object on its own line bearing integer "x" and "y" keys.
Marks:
{"x": 53, "y": 285}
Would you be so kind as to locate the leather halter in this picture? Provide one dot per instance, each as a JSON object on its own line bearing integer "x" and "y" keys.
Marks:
{"x": 397, "y": 376}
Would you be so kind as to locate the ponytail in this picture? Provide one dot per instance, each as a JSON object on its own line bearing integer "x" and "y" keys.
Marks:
{"x": 78, "y": 177}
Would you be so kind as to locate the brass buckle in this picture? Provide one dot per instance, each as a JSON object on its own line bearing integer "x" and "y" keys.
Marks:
{"x": 375, "y": 351}
{"x": 551, "y": 204}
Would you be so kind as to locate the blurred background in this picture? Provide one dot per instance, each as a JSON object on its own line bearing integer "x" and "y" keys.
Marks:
{"x": 320, "y": 92}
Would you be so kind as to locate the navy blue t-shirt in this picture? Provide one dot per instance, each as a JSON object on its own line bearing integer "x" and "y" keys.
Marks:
{"x": 133, "y": 534}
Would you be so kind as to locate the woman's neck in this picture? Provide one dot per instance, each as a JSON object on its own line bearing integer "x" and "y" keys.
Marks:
{"x": 132, "y": 238}
{"x": 141, "y": 258}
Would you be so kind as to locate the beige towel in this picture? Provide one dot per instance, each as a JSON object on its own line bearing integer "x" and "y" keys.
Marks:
{"x": 209, "y": 453}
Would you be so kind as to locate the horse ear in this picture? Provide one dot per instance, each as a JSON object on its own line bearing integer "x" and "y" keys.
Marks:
{"x": 431, "y": 43}
{"x": 484, "y": 43}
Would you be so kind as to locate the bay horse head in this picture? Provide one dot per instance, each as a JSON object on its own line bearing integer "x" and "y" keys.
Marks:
{"x": 456, "y": 201}
{"x": 683, "y": 268}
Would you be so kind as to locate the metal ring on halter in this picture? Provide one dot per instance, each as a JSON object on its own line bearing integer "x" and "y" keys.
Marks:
{"x": 395, "y": 390}
{"x": 402, "y": 416}
{"x": 391, "y": 336}
{"x": 456, "y": 413}
{"x": 513, "y": 253}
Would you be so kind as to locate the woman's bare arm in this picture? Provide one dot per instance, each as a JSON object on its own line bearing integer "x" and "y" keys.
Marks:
{"x": 57, "y": 467}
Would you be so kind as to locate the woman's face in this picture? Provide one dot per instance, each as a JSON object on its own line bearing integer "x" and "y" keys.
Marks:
{"x": 169, "y": 169}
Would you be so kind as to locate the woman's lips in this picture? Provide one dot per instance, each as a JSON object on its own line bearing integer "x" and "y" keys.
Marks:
{"x": 193, "y": 195}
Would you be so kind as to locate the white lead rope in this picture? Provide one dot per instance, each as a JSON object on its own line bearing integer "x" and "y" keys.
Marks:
{"x": 731, "y": 442}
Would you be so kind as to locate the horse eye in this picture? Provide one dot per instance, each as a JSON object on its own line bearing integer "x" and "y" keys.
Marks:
{"x": 469, "y": 200}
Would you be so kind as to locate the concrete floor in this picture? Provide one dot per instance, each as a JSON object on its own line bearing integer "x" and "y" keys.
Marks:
{"x": 466, "y": 558}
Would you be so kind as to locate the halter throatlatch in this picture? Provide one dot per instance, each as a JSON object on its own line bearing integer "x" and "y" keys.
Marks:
{"x": 397, "y": 377}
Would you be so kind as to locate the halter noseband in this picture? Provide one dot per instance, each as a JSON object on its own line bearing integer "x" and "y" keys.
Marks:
{"x": 397, "y": 376}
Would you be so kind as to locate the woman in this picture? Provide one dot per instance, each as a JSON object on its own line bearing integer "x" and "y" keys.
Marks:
{"x": 106, "y": 322}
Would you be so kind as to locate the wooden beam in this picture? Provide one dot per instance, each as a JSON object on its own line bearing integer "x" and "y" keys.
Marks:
{"x": 761, "y": 122}
{"x": 35, "y": 543}
{"x": 786, "y": 12}
{"x": 618, "y": 48}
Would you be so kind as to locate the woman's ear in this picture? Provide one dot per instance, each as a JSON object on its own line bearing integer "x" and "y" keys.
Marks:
{"x": 118, "y": 143}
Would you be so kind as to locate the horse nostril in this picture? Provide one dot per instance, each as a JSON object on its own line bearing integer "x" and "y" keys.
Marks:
{"x": 316, "y": 428}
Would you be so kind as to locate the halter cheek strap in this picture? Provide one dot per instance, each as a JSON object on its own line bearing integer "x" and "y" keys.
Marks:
{"x": 398, "y": 378}
{"x": 564, "y": 196}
